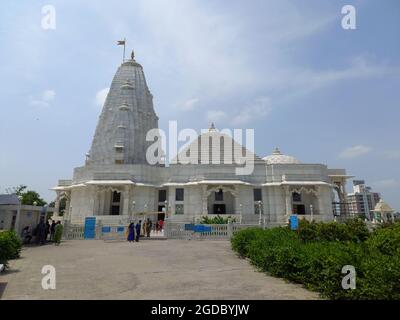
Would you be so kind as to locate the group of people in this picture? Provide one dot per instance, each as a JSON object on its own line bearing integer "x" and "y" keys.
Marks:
{"x": 42, "y": 232}
{"x": 134, "y": 230}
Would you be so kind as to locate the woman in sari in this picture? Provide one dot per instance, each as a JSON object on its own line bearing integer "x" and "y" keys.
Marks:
{"x": 131, "y": 230}
{"x": 58, "y": 233}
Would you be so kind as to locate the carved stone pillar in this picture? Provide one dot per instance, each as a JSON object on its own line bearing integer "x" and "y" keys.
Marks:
{"x": 126, "y": 200}
{"x": 68, "y": 205}
{"x": 237, "y": 200}
{"x": 204, "y": 200}
{"x": 320, "y": 200}
{"x": 171, "y": 201}
{"x": 288, "y": 201}
{"x": 57, "y": 204}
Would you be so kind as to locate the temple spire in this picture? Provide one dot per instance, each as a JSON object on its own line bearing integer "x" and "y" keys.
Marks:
{"x": 127, "y": 115}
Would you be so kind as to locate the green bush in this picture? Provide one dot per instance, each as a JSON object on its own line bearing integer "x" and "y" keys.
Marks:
{"x": 216, "y": 220}
{"x": 354, "y": 230}
{"x": 322, "y": 263}
{"x": 242, "y": 239}
{"x": 357, "y": 229}
{"x": 378, "y": 277}
{"x": 315, "y": 255}
{"x": 386, "y": 239}
{"x": 10, "y": 246}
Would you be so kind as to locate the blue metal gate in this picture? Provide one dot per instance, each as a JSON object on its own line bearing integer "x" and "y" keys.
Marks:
{"x": 90, "y": 228}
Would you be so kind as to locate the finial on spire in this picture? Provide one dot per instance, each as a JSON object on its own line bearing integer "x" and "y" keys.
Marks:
{"x": 133, "y": 55}
{"x": 212, "y": 127}
{"x": 276, "y": 151}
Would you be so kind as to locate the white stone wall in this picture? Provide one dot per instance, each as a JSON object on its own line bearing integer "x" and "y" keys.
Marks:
{"x": 145, "y": 195}
{"x": 193, "y": 200}
{"x": 29, "y": 216}
{"x": 82, "y": 202}
{"x": 6, "y": 218}
{"x": 325, "y": 203}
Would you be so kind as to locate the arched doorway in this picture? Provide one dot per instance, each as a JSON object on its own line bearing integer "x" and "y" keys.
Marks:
{"x": 221, "y": 200}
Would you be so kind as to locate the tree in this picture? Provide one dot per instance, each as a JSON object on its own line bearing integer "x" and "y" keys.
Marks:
{"x": 29, "y": 197}
{"x": 19, "y": 190}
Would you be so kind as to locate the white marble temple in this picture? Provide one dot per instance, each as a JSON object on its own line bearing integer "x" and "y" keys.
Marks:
{"x": 117, "y": 180}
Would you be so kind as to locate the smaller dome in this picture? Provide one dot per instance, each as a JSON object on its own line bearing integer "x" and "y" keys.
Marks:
{"x": 277, "y": 157}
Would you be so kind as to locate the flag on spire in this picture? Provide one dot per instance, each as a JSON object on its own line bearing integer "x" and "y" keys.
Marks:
{"x": 122, "y": 43}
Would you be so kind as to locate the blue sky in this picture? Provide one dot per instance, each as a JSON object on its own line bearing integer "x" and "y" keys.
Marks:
{"x": 285, "y": 68}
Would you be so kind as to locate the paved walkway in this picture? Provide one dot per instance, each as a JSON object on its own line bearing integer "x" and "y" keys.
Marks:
{"x": 171, "y": 269}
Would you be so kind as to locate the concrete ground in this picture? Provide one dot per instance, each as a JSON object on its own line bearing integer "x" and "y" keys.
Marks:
{"x": 169, "y": 269}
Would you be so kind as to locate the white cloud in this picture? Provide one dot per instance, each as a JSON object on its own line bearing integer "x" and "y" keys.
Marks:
{"x": 301, "y": 82}
{"x": 101, "y": 96}
{"x": 215, "y": 53}
{"x": 44, "y": 100}
{"x": 188, "y": 105}
{"x": 354, "y": 152}
{"x": 216, "y": 115}
{"x": 48, "y": 95}
{"x": 261, "y": 107}
{"x": 386, "y": 184}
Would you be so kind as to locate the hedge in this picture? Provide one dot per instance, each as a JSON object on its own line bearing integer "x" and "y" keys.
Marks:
{"x": 10, "y": 246}
{"x": 315, "y": 255}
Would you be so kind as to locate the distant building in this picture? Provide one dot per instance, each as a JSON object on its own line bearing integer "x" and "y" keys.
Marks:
{"x": 363, "y": 200}
{"x": 16, "y": 216}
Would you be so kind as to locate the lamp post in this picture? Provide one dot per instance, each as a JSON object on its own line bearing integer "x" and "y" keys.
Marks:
{"x": 133, "y": 210}
{"x": 259, "y": 212}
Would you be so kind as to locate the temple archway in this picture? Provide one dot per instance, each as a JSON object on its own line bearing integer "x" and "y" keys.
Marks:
{"x": 221, "y": 200}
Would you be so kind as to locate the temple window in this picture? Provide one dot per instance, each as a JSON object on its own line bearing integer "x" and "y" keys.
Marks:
{"x": 179, "y": 209}
{"x": 162, "y": 195}
{"x": 179, "y": 194}
{"x": 257, "y": 194}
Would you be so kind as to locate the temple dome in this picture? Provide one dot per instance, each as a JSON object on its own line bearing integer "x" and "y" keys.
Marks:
{"x": 278, "y": 158}
{"x": 218, "y": 141}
